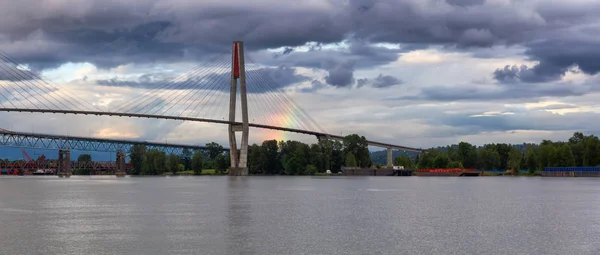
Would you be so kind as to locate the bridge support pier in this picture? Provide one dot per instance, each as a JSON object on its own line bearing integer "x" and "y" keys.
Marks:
{"x": 390, "y": 159}
{"x": 64, "y": 163}
{"x": 120, "y": 164}
{"x": 239, "y": 162}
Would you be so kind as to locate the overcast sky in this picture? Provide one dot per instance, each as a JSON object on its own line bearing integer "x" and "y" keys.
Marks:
{"x": 419, "y": 73}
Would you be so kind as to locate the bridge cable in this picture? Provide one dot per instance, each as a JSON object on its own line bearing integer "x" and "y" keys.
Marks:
{"x": 277, "y": 94}
{"x": 212, "y": 69}
{"x": 258, "y": 89}
{"x": 212, "y": 101}
{"x": 55, "y": 86}
{"x": 269, "y": 93}
{"x": 133, "y": 101}
{"x": 215, "y": 86}
{"x": 295, "y": 105}
{"x": 212, "y": 95}
{"x": 205, "y": 72}
{"x": 29, "y": 77}
{"x": 256, "y": 108}
{"x": 166, "y": 87}
{"x": 18, "y": 84}
{"x": 194, "y": 94}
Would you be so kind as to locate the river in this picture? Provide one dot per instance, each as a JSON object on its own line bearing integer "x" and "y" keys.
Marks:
{"x": 299, "y": 215}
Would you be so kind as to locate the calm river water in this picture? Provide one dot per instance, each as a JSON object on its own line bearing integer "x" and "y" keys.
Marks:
{"x": 299, "y": 215}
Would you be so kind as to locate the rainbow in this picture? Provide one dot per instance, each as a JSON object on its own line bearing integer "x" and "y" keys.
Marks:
{"x": 280, "y": 120}
{"x": 283, "y": 118}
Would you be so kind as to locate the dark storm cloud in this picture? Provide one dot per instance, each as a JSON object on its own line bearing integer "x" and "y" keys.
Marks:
{"x": 545, "y": 121}
{"x": 340, "y": 74}
{"x": 315, "y": 85}
{"x": 381, "y": 81}
{"x": 384, "y": 81}
{"x": 555, "y": 58}
{"x": 503, "y": 92}
{"x": 257, "y": 80}
{"x": 9, "y": 72}
{"x": 464, "y": 3}
{"x": 109, "y": 33}
{"x": 543, "y": 72}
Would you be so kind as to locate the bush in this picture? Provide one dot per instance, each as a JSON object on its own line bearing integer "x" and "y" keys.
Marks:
{"x": 311, "y": 170}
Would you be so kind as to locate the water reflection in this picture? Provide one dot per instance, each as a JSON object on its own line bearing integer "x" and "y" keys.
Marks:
{"x": 299, "y": 215}
{"x": 239, "y": 217}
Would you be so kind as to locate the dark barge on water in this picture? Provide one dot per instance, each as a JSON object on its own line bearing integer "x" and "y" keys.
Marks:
{"x": 357, "y": 171}
{"x": 571, "y": 172}
{"x": 447, "y": 172}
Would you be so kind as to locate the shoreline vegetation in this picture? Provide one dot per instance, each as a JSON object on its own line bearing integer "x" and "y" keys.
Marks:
{"x": 296, "y": 158}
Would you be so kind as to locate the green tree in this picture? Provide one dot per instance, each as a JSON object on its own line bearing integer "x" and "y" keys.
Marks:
{"x": 546, "y": 154}
{"x": 531, "y": 160}
{"x": 155, "y": 163}
{"x": 137, "y": 154}
{"x": 214, "y": 149}
{"x": 197, "y": 163}
{"x": 296, "y": 162}
{"x": 317, "y": 157}
{"x": 84, "y": 158}
{"x": 564, "y": 156}
{"x": 404, "y": 161}
{"x": 467, "y": 154}
{"x": 173, "y": 163}
{"x": 350, "y": 160}
{"x": 503, "y": 150}
{"x": 358, "y": 146}
{"x": 514, "y": 160}
{"x": 427, "y": 158}
{"x": 591, "y": 155}
{"x": 220, "y": 164}
{"x": 270, "y": 157}
{"x": 455, "y": 164}
{"x": 441, "y": 161}
{"x": 310, "y": 170}
{"x": 327, "y": 150}
{"x": 186, "y": 158}
{"x": 488, "y": 158}
{"x": 255, "y": 159}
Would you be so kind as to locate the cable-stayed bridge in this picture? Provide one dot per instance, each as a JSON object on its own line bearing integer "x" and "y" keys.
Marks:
{"x": 200, "y": 95}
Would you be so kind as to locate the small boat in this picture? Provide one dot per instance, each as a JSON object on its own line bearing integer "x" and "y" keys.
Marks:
{"x": 39, "y": 172}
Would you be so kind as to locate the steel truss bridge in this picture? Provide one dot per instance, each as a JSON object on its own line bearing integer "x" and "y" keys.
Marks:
{"x": 60, "y": 142}
{"x": 74, "y": 164}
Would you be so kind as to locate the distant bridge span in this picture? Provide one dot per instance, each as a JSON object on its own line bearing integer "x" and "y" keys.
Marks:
{"x": 319, "y": 135}
{"x": 65, "y": 142}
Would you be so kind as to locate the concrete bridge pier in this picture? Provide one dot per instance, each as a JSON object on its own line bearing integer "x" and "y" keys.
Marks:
{"x": 120, "y": 163}
{"x": 239, "y": 162}
{"x": 390, "y": 159}
{"x": 64, "y": 163}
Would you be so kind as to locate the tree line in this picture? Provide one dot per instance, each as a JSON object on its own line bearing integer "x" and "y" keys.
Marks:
{"x": 146, "y": 161}
{"x": 272, "y": 157}
{"x": 579, "y": 150}
{"x": 297, "y": 158}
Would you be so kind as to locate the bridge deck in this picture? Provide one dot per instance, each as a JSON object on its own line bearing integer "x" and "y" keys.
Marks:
{"x": 151, "y": 116}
